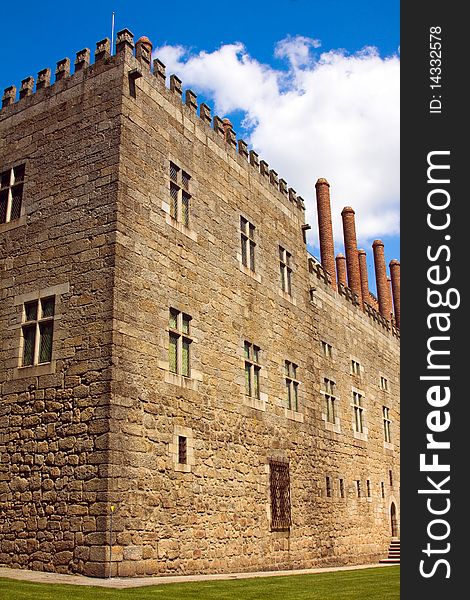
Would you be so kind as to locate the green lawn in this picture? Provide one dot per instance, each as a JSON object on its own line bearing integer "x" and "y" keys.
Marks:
{"x": 361, "y": 584}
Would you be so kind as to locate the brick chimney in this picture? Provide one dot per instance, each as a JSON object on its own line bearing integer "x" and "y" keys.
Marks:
{"x": 350, "y": 246}
{"x": 325, "y": 228}
{"x": 395, "y": 275}
{"x": 383, "y": 286}
{"x": 341, "y": 268}
{"x": 363, "y": 273}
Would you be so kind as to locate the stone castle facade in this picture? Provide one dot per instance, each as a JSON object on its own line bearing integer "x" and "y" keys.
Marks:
{"x": 177, "y": 374}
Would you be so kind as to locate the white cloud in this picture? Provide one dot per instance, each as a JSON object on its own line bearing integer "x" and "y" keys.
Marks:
{"x": 296, "y": 49}
{"x": 333, "y": 115}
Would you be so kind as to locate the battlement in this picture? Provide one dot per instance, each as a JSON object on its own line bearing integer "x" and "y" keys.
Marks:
{"x": 346, "y": 293}
{"x": 351, "y": 270}
{"x": 141, "y": 51}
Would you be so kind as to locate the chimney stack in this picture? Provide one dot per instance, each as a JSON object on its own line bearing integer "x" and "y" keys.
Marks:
{"x": 341, "y": 268}
{"x": 383, "y": 286}
{"x": 395, "y": 275}
{"x": 363, "y": 274}
{"x": 325, "y": 229}
{"x": 352, "y": 257}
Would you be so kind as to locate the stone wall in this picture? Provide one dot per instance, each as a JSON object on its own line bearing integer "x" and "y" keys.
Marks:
{"x": 98, "y": 435}
{"x": 54, "y": 416}
{"x": 215, "y": 516}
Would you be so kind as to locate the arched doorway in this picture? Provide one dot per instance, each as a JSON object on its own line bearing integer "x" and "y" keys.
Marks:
{"x": 393, "y": 520}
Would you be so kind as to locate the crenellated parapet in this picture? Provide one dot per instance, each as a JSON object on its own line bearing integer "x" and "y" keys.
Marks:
{"x": 141, "y": 51}
{"x": 30, "y": 87}
{"x": 223, "y": 129}
{"x": 348, "y": 295}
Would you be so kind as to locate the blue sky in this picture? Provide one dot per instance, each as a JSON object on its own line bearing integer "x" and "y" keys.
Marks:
{"x": 37, "y": 35}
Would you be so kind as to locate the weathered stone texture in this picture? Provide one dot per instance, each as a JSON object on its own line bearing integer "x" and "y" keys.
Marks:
{"x": 99, "y": 430}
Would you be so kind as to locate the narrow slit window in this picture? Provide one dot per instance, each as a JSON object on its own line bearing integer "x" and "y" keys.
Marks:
{"x": 328, "y": 487}
{"x": 285, "y": 268}
{"x": 358, "y": 488}
{"x": 182, "y": 450}
{"x": 248, "y": 243}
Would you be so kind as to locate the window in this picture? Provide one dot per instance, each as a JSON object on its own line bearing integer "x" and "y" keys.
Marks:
{"x": 355, "y": 368}
{"x": 387, "y": 422}
{"x": 37, "y": 330}
{"x": 285, "y": 265}
{"x": 279, "y": 482}
{"x": 358, "y": 488}
{"x": 330, "y": 400}
{"x": 382, "y": 488}
{"x": 384, "y": 384}
{"x": 248, "y": 244}
{"x": 252, "y": 370}
{"x": 292, "y": 385}
{"x": 179, "y": 343}
{"x": 182, "y": 450}
{"x": 328, "y": 487}
{"x": 11, "y": 193}
{"x": 327, "y": 350}
{"x": 179, "y": 194}
{"x": 368, "y": 487}
{"x": 341, "y": 488}
{"x": 358, "y": 412}
{"x": 390, "y": 476}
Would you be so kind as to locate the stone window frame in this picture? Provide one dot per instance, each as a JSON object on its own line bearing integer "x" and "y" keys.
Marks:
{"x": 328, "y": 487}
{"x": 286, "y": 270}
{"x": 48, "y": 368}
{"x": 356, "y": 368}
{"x": 195, "y": 377}
{"x": 286, "y": 261}
{"x": 341, "y": 488}
{"x": 180, "y": 200}
{"x": 173, "y": 449}
{"x": 177, "y": 222}
{"x": 6, "y": 191}
{"x": 181, "y": 333}
{"x": 368, "y": 489}
{"x": 384, "y": 383}
{"x": 41, "y": 323}
{"x": 387, "y": 424}
{"x": 326, "y": 350}
{"x": 253, "y": 362}
{"x": 248, "y": 238}
{"x": 362, "y": 410}
{"x": 330, "y": 425}
{"x": 359, "y": 489}
{"x": 292, "y": 382}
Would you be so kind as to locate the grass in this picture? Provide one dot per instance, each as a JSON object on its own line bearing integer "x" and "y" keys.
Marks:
{"x": 361, "y": 584}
